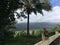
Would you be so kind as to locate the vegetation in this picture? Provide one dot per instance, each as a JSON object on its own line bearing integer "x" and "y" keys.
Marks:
{"x": 7, "y": 10}
{"x": 7, "y": 19}
{"x": 29, "y": 6}
{"x": 22, "y": 39}
{"x": 57, "y": 28}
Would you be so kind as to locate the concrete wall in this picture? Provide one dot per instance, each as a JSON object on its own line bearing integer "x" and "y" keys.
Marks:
{"x": 49, "y": 40}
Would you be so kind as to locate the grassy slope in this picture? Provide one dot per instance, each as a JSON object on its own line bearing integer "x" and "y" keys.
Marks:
{"x": 22, "y": 39}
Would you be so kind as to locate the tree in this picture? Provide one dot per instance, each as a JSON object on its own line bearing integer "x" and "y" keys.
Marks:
{"x": 28, "y": 6}
{"x": 7, "y": 8}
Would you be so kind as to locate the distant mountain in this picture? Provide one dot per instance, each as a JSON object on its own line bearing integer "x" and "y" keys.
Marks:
{"x": 35, "y": 25}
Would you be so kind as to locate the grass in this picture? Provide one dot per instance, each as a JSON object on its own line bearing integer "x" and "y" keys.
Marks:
{"x": 25, "y": 41}
{"x": 22, "y": 39}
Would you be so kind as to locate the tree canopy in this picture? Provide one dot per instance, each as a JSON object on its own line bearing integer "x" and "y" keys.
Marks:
{"x": 29, "y": 6}
{"x": 8, "y": 8}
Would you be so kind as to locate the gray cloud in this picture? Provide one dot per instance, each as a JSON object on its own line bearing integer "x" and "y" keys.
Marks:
{"x": 50, "y": 16}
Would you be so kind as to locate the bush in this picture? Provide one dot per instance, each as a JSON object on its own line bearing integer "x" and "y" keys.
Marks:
{"x": 22, "y": 39}
{"x": 6, "y": 36}
{"x": 33, "y": 33}
{"x": 22, "y": 33}
{"x": 38, "y": 33}
{"x": 51, "y": 33}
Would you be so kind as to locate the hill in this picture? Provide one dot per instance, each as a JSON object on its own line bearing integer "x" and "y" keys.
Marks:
{"x": 35, "y": 25}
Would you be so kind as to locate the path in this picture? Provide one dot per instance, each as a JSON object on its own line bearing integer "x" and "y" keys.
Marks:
{"x": 49, "y": 40}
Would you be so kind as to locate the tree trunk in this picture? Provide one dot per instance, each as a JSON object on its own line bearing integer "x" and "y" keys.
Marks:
{"x": 28, "y": 26}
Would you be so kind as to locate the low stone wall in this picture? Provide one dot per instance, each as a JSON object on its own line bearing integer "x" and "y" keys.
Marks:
{"x": 49, "y": 40}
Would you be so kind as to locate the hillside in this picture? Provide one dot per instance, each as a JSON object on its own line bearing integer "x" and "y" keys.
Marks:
{"x": 35, "y": 25}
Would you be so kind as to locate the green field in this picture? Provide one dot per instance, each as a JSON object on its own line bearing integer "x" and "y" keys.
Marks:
{"x": 20, "y": 37}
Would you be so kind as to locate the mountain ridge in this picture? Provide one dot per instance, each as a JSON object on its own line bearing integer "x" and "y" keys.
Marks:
{"x": 36, "y": 25}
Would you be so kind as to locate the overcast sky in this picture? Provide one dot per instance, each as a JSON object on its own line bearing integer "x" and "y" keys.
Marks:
{"x": 50, "y": 16}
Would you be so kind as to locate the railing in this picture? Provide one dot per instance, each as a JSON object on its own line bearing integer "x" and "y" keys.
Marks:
{"x": 49, "y": 40}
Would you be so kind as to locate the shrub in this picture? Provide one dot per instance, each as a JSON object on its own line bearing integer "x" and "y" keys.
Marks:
{"x": 51, "y": 33}
{"x": 6, "y": 36}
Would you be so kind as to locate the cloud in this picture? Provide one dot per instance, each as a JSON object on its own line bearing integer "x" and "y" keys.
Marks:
{"x": 52, "y": 16}
{"x": 49, "y": 16}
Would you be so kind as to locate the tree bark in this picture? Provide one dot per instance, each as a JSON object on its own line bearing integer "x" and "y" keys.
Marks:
{"x": 28, "y": 26}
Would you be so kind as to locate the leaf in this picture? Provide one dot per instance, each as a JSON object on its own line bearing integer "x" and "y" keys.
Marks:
{"x": 46, "y": 7}
{"x": 18, "y": 15}
{"x": 38, "y": 6}
{"x": 34, "y": 10}
{"x": 25, "y": 16}
{"x": 21, "y": 4}
{"x": 40, "y": 11}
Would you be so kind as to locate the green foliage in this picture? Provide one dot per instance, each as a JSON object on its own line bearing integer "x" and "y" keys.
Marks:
{"x": 51, "y": 33}
{"x": 57, "y": 28}
{"x": 33, "y": 33}
{"x": 22, "y": 39}
{"x": 29, "y": 6}
{"x": 38, "y": 33}
{"x": 34, "y": 37}
{"x": 7, "y": 8}
{"x": 25, "y": 41}
{"x": 6, "y": 36}
{"x": 33, "y": 6}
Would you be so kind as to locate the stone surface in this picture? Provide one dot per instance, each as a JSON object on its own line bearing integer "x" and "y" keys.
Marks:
{"x": 49, "y": 40}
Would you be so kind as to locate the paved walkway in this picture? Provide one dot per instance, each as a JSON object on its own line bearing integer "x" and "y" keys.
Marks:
{"x": 56, "y": 42}
{"x": 49, "y": 40}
